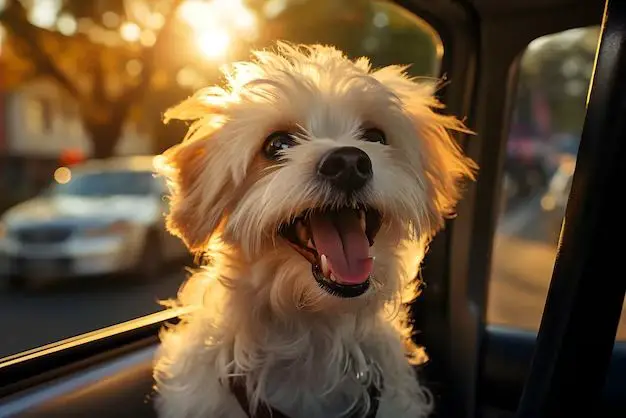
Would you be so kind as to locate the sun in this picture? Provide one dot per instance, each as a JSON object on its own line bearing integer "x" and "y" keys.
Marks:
{"x": 213, "y": 43}
{"x": 218, "y": 24}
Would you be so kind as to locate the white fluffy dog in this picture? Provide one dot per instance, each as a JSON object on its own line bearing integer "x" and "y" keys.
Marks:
{"x": 313, "y": 184}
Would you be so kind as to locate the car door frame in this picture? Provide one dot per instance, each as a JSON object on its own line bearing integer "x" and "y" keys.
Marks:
{"x": 493, "y": 364}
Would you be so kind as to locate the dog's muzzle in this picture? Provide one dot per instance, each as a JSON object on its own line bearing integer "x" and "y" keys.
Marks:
{"x": 337, "y": 240}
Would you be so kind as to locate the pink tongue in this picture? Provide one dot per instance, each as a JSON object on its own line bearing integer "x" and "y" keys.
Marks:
{"x": 345, "y": 245}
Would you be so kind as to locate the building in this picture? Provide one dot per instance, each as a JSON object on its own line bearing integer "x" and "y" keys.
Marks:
{"x": 38, "y": 123}
{"x": 42, "y": 122}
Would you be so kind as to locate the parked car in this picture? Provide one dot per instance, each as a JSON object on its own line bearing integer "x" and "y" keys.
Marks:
{"x": 102, "y": 217}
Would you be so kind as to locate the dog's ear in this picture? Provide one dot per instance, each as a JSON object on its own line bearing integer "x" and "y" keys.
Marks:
{"x": 196, "y": 172}
{"x": 436, "y": 152}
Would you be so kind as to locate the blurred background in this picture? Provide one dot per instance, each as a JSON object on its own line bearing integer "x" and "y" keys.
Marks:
{"x": 84, "y": 84}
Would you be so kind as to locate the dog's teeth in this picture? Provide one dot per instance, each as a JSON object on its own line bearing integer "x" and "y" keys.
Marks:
{"x": 332, "y": 277}
{"x": 362, "y": 220}
{"x": 310, "y": 244}
{"x": 324, "y": 265}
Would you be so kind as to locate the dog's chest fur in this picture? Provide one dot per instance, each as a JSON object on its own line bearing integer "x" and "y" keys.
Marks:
{"x": 321, "y": 373}
{"x": 304, "y": 370}
{"x": 298, "y": 391}
{"x": 303, "y": 363}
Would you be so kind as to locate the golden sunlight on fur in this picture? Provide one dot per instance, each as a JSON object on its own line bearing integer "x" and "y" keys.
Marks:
{"x": 312, "y": 184}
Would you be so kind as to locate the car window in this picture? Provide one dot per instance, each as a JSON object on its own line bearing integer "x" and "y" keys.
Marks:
{"x": 85, "y": 80}
{"x": 105, "y": 183}
{"x": 547, "y": 122}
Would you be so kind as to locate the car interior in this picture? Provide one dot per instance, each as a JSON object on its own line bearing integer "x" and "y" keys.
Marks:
{"x": 573, "y": 364}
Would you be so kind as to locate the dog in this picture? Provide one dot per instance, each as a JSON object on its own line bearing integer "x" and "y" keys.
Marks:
{"x": 312, "y": 184}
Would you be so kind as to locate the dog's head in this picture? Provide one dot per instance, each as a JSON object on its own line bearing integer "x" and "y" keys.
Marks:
{"x": 317, "y": 161}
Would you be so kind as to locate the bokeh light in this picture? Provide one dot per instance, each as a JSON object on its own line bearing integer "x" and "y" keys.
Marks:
{"x": 273, "y": 8}
{"x": 197, "y": 14}
{"x": 147, "y": 37}
{"x": 134, "y": 67}
{"x": 110, "y": 19}
{"x": 43, "y": 13}
{"x": 215, "y": 23}
{"x": 155, "y": 20}
{"x": 67, "y": 25}
{"x": 213, "y": 43}
{"x": 62, "y": 175}
{"x": 130, "y": 31}
{"x": 187, "y": 77}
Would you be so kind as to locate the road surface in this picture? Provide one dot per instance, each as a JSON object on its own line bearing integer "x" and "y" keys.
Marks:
{"x": 525, "y": 249}
{"x": 523, "y": 258}
{"x": 34, "y": 318}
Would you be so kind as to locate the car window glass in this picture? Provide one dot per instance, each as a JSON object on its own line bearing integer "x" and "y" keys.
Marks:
{"x": 111, "y": 183}
{"x": 78, "y": 252}
{"x": 542, "y": 145}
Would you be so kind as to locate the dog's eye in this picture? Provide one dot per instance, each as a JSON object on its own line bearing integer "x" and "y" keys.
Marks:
{"x": 277, "y": 142}
{"x": 374, "y": 135}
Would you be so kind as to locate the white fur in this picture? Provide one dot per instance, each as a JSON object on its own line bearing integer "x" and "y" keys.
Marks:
{"x": 260, "y": 313}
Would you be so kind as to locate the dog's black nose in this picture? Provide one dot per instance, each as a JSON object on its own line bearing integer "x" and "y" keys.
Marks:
{"x": 347, "y": 168}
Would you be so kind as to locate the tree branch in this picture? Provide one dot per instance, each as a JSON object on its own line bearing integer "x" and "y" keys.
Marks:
{"x": 14, "y": 18}
{"x": 149, "y": 57}
{"x": 98, "y": 79}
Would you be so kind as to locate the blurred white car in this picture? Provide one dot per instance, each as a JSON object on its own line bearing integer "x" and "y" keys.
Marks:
{"x": 108, "y": 218}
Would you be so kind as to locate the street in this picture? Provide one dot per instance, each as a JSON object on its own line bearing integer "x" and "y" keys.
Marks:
{"x": 523, "y": 257}
{"x": 34, "y": 318}
{"x": 524, "y": 253}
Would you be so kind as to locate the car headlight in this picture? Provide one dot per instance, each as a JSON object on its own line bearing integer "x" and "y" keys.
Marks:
{"x": 115, "y": 228}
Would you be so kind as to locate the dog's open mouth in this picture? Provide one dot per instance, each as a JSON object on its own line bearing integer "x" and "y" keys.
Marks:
{"x": 337, "y": 244}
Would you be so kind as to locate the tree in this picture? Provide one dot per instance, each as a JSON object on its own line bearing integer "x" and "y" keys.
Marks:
{"x": 558, "y": 67}
{"x": 112, "y": 78}
{"x": 383, "y": 31}
{"x": 107, "y": 78}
